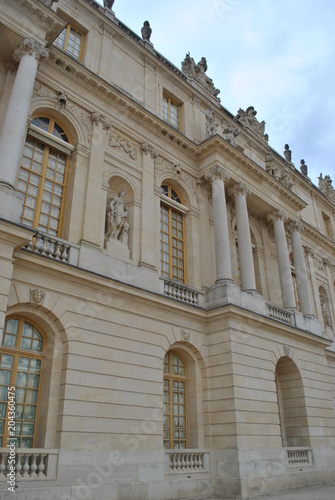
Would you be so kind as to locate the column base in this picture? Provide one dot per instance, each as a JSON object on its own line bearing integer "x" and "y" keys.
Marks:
{"x": 226, "y": 292}
{"x": 10, "y": 203}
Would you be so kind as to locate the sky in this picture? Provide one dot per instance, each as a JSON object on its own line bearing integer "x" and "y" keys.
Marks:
{"x": 278, "y": 56}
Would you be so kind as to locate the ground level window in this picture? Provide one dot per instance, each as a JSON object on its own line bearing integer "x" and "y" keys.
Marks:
{"x": 21, "y": 358}
{"x": 175, "y": 402}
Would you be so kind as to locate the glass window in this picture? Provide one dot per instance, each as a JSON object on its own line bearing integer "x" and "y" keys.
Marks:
{"x": 21, "y": 358}
{"x": 175, "y": 402}
{"x": 42, "y": 180}
{"x": 172, "y": 243}
{"x": 70, "y": 40}
{"x": 171, "y": 112}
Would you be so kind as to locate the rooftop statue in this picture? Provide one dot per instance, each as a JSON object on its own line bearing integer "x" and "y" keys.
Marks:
{"x": 325, "y": 185}
{"x": 108, "y": 4}
{"x": 287, "y": 153}
{"x": 303, "y": 168}
{"x": 198, "y": 73}
{"x": 146, "y": 31}
{"x": 248, "y": 119}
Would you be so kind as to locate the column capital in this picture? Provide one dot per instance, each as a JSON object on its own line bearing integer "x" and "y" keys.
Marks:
{"x": 296, "y": 226}
{"x": 97, "y": 118}
{"x": 146, "y": 148}
{"x": 217, "y": 172}
{"x": 310, "y": 252}
{"x": 327, "y": 262}
{"x": 30, "y": 47}
{"x": 240, "y": 188}
{"x": 277, "y": 215}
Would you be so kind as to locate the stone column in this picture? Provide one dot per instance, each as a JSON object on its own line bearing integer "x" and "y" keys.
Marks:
{"x": 278, "y": 218}
{"x": 240, "y": 192}
{"x": 221, "y": 234}
{"x": 300, "y": 269}
{"x": 14, "y": 127}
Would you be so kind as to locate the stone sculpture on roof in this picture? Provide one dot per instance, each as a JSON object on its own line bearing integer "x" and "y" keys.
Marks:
{"x": 325, "y": 185}
{"x": 198, "y": 73}
{"x": 108, "y": 4}
{"x": 146, "y": 31}
{"x": 248, "y": 119}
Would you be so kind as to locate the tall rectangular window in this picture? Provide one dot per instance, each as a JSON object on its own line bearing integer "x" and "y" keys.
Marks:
{"x": 171, "y": 112}
{"x": 326, "y": 225}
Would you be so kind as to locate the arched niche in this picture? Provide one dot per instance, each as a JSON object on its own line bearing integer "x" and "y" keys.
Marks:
{"x": 291, "y": 403}
{"x": 115, "y": 186}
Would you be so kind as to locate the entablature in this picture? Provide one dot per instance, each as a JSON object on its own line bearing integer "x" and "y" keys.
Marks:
{"x": 272, "y": 194}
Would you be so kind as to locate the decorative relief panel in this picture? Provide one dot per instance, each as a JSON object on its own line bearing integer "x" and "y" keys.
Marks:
{"x": 118, "y": 142}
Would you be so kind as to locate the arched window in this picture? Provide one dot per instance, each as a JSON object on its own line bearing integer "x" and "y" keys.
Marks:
{"x": 175, "y": 402}
{"x": 43, "y": 175}
{"x": 172, "y": 245}
{"x": 21, "y": 359}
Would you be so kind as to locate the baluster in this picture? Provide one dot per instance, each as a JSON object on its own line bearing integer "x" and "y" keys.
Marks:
{"x": 41, "y": 466}
{"x": 51, "y": 248}
{"x": 45, "y": 245}
{"x": 64, "y": 254}
{"x": 38, "y": 243}
{"x": 25, "y": 468}
{"x": 33, "y": 466}
{"x": 2, "y": 464}
{"x": 18, "y": 466}
{"x": 58, "y": 252}
{"x": 183, "y": 463}
{"x": 188, "y": 460}
{"x": 174, "y": 461}
{"x": 178, "y": 462}
{"x": 29, "y": 246}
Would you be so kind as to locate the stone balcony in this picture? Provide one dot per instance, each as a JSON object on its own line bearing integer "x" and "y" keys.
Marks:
{"x": 125, "y": 271}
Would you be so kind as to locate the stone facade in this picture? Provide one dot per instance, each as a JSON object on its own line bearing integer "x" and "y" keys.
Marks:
{"x": 244, "y": 300}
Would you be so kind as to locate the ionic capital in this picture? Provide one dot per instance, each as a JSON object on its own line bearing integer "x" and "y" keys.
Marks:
{"x": 217, "y": 172}
{"x": 296, "y": 227}
{"x": 277, "y": 215}
{"x": 30, "y": 47}
{"x": 240, "y": 188}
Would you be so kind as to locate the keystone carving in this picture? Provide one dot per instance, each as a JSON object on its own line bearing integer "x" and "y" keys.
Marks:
{"x": 37, "y": 295}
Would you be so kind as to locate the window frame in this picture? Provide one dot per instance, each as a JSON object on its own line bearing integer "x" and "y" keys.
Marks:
{"x": 180, "y": 378}
{"x": 64, "y": 47}
{"x": 327, "y": 227}
{"x": 179, "y": 208}
{"x": 174, "y": 101}
{"x": 49, "y": 142}
{"x": 18, "y": 352}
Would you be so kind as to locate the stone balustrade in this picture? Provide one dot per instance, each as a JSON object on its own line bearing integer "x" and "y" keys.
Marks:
{"x": 179, "y": 461}
{"x": 181, "y": 292}
{"x": 54, "y": 248}
{"x": 297, "y": 457}
{"x": 30, "y": 463}
{"x": 282, "y": 315}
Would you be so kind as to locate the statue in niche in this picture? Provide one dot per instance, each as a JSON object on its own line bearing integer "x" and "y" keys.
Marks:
{"x": 108, "y": 4}
{"x": 325, "y": 310}
{"x": 116, "y": 220}
{"x": 198, "y": 73}
{"x": 146, "y": 31}
{"x": 248, "y": 119}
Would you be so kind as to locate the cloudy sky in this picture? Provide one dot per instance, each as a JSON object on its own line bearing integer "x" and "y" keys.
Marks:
{"x": 278, "y": 56}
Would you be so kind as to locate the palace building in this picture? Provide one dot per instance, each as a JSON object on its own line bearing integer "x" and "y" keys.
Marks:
{"x": 167, "y": 278}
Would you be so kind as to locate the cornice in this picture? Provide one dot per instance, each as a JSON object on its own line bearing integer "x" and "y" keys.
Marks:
{"x": 218, "y": 144}
{"x": 318, "y": 236}
{"x": 36, "y": 14}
